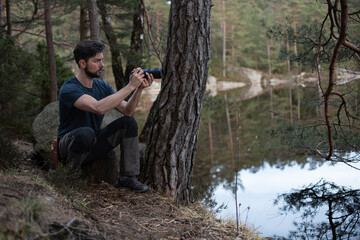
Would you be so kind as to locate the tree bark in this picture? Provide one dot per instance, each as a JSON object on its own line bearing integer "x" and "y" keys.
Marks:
{"x": 173, "y": 123}
{"x": 1, "y": 21}
{"x": 83, "y": 21}
{"x": 94, "y": 21}
{"x": 50, "y": 52}
{"x": 8, "y": 18}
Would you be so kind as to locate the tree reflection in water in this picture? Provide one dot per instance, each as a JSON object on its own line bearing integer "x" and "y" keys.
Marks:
{"x": 342, "y": 210}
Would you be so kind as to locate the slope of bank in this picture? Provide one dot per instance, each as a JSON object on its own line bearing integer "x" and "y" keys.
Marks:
{"x": 37, "y": 205}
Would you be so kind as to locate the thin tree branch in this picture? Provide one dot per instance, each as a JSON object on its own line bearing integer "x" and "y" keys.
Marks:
{"x": 157, "y": 51}
{"x": 340, "y": 41}
{"x": 62, "y": 43}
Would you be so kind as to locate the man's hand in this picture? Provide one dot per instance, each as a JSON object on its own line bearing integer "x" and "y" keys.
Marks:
{"x": 147, "y": 82}
{"x": 136, "y": 78}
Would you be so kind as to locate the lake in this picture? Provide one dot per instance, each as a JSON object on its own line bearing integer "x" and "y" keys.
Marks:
{"x": 250, "y": 131}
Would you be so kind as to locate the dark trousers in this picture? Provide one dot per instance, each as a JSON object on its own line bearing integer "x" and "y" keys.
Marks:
{"x": 84, "y": 145}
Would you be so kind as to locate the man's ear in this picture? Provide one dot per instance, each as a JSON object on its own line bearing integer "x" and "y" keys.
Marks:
{"x": 82, "y": 63}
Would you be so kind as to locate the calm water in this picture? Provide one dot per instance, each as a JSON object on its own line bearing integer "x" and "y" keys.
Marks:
{"x": 245, "y": 131}
{"x": 261, "y": 188}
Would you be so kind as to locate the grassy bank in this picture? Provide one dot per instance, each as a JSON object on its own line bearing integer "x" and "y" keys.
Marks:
{"x": 39, "y": 205}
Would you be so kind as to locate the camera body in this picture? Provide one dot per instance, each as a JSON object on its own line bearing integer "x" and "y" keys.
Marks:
{"x": 156, "y": 72}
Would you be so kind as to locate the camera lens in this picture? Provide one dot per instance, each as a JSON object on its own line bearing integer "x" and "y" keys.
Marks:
{"x": 156, "y": 72}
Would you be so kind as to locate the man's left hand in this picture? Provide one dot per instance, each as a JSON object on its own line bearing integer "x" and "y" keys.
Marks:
{"x": 147, "y": 82}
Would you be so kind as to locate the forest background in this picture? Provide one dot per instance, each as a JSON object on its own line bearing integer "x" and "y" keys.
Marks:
{"x": 240, "y": 38}
{"x": 252, "y": 33}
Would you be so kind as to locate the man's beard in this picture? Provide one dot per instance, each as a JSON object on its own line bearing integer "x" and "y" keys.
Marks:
{"x": 92, "y": 74}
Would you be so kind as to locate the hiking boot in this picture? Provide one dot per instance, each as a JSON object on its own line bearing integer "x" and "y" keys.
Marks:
{"x": 131, "y": 182}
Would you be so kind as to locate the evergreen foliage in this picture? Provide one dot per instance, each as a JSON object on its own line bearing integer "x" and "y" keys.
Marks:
{"x": 16, "y": 71}
{"x": 24, "y": 84}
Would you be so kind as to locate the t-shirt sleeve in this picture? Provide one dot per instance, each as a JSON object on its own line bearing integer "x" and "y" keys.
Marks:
{"x": 70, "y": 94}
{"x": 110, "y": 89}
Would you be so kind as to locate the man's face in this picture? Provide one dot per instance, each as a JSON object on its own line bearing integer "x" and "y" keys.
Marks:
{"x": 94, "y": 65}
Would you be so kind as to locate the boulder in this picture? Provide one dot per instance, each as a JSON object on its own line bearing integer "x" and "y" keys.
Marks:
{"x": 44, "y": 129}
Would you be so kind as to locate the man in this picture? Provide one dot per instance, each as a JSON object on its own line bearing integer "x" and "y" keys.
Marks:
{"x": 83, "y": 101}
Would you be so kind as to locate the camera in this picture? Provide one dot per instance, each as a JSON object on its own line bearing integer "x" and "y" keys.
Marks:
{"x": 156, "y": 72}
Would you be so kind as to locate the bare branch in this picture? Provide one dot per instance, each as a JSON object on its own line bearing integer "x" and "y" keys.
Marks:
{"x": 352, "y": 46}
{"x": 63, "y": 43}
{"x": 157, "y": 51}
{"x": 328, "y": 93}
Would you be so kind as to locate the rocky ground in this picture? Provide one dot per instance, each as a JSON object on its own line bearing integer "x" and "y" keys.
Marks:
{"x": 35, "y": 204}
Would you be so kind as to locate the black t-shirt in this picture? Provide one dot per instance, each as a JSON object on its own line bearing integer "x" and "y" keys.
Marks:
{"x": 71, "y": 117}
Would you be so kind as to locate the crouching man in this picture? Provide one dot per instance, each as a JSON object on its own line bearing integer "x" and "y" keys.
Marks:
{"x": 83, "y": 101}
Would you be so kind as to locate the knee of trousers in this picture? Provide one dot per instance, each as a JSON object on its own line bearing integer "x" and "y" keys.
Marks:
{"x": 84, "y": 139}
{"x": 127, "y": 125}
{"x": 132, "y": 127}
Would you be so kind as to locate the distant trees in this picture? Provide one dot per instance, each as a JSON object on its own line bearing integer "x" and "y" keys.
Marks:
{"x": 239, "y": 36}
{"x": 50, "y": 52}
{"x": 133, "y": 54}
{"x": 326, "y": 43}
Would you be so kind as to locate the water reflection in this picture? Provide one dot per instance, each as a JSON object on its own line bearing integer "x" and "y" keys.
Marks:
{"x": 254, "y": 131}
{"x": 260, "y": 189}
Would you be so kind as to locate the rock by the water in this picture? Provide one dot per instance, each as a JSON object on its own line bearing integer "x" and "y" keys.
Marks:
{"x": 44, "y": 129}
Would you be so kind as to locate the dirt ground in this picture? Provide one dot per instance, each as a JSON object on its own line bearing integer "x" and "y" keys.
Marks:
{"x": 33, "y": 207}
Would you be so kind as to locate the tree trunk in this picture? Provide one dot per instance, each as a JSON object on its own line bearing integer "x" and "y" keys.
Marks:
{"x": 288, "y": 53}
{"x": 228, "y": 120}
{"x": 83, "y": 21}
{"x": 271, "y": 105}
{"x": 211, "y": 141}
{"x": 173, "y": 122}
{"x": 269, "y": 57}
{"x": 94, "y": 21}
{"x": 295, "y": 34}
{"x": 8, "y": 18}
{"x": 116, "y": 61}
{"x": 299, "y": 105}
{"x": 50, "y": 52}
{"x": 1, "y": 21}
{"x": 291, "y": 108}
{"x": 224, "y": 38}
{"x": 137, "y": 36}
{"x": 329, "y": 91}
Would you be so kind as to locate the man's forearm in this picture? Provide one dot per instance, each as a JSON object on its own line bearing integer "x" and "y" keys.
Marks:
{"x": 90, "y": 104}
{"x": 133, "y": 101}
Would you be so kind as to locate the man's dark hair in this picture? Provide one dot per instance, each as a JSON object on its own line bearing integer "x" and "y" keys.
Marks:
{"x": 87, "y": 49}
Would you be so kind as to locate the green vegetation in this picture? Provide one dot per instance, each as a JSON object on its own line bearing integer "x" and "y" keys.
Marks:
{"x": 24, "y": 85}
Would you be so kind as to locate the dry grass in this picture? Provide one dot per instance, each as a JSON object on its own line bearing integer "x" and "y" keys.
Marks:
{"x": 34, "y": 208}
